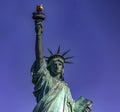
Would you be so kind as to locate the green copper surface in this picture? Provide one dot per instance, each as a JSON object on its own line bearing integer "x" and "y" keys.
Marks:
{"x": 54, "y": 95}
{"x": 50, "y": 90}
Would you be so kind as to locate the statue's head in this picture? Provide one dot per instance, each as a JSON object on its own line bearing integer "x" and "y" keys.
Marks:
{"x": 56, "y": 67}
{"x": 56, "y": 63}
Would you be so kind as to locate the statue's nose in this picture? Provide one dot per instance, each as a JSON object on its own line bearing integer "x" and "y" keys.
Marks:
{"x": 56, "y": 66}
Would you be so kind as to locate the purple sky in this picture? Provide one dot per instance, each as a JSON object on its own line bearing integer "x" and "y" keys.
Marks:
{"x": 90, "y": 28}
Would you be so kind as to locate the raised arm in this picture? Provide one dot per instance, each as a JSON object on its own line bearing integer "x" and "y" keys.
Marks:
{"x": 38, "y": 43}
{"x": 38, "y": 17}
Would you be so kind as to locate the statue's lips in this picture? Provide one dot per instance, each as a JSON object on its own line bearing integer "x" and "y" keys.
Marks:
{"x": 57, "y": 70}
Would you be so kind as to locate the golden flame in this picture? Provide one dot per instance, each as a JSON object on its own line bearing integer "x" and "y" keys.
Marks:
{"x": 39, "y": 8}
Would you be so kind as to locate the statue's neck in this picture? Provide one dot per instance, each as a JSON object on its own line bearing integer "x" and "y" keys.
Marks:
{"x": 57, "y": 76}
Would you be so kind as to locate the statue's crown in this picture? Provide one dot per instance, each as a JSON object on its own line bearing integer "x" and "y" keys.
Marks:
{"x": 58, "y": 55}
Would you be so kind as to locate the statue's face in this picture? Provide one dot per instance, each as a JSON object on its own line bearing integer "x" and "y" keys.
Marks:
{"x": 56, "y": 66}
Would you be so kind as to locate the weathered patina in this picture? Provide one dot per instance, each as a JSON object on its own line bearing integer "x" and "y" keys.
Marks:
{"x": 51, "y": 92}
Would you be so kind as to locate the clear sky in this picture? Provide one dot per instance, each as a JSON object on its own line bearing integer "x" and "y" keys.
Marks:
{"x": 90, "y": 28}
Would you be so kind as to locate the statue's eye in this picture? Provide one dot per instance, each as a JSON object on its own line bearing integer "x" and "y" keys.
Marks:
{"x": 60, "y": 64}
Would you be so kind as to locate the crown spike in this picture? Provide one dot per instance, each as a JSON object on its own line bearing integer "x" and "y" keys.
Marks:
{"x": 46, "y": 57}
{"x": 50, "y": 51}
{"x": 69, "y": 57}
{"x": 68, "y": 62}
{"x": 58, "y": 51}
{"x": 65, "y": 52}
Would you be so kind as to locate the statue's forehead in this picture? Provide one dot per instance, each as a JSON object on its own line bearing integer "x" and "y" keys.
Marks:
{"x": 58, "y": 59}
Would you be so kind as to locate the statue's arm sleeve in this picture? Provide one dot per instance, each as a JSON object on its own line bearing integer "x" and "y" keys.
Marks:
{"x": 39, "y": 71}
{"x": 39, "y": 66}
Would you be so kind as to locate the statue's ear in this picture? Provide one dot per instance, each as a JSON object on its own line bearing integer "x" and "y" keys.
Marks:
{"x": 63, "y": 65}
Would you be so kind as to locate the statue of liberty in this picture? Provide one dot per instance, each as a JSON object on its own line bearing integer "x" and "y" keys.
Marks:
{"x": 51, "y": 92}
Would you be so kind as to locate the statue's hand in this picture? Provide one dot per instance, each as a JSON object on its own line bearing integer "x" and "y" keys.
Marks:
{"x": 87, "y": 109}
{"x": 38, "y": 28}
{"x": 83, "y": 105}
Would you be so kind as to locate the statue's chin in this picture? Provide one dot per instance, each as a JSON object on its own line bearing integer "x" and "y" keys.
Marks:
{"x": 56, "y": 73}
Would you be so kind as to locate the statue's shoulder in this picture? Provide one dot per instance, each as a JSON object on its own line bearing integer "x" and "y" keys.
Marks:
{"x": 65, "y": 84}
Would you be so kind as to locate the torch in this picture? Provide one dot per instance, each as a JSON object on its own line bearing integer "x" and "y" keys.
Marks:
{"x": 38, "y": 17}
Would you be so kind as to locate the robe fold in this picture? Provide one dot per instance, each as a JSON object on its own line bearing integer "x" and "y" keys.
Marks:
{"x": 52, "y": 95}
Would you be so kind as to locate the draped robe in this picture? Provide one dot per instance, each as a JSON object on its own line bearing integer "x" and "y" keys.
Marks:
{"x": 52, "y": 95}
